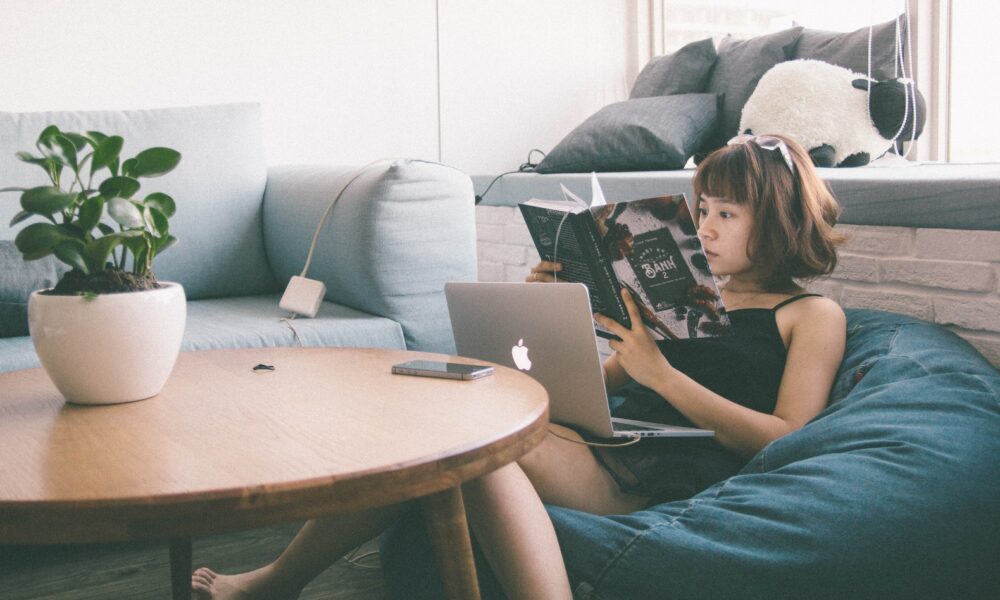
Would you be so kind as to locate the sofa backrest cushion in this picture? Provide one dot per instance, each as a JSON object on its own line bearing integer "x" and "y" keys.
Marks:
{"x": 18, "y": 278}
{"x": 392, "y": 240}
{"x": 740, "y": 65}
{"x": 218, "y": 186}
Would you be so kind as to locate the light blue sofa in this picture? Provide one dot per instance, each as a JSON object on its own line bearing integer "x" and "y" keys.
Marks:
{"x": 397, "y": 234}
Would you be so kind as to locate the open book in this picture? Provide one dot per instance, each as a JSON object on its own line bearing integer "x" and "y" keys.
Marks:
{"x": 649, "y": 246}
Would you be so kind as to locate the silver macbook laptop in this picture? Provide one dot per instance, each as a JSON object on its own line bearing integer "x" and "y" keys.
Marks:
{"x": 547, "y": 331}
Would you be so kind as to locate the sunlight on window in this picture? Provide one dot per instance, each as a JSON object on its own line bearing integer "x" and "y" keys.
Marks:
{"x": 975, "y": 92}
{"x": 687, "y": 21}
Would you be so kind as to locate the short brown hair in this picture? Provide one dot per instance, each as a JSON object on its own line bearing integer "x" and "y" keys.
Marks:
{"x": 793, "y": 214}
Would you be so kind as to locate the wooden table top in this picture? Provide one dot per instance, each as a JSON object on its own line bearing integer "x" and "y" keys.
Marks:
{"x": 222, "y": 447}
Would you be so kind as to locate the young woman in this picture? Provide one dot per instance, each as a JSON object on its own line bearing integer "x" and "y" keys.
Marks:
{"x": 766, "y": 221}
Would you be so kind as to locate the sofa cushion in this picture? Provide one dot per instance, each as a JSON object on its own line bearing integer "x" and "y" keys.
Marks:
{"x": 644, "y": 134}
{"x": 17, "y": 353}
{"x": 850, "y": 49}
{"x": 889, "y": 493}
{"x": 683, "y": 72}
{"x": 257, "y": 322}
{"x": 218, "y": 186}
{"x": 18, "y": 278}
{"x": 740, "y": 65}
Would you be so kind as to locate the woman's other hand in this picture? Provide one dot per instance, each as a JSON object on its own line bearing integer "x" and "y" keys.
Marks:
{"x": 544, "y": 272}
{"x": 637, "y": 351}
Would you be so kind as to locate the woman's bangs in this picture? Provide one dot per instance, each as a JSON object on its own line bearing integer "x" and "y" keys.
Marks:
{"x": 725, "y": 176}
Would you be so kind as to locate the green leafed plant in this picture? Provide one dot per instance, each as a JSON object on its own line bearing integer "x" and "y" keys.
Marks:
{"x": 95, "y": 221}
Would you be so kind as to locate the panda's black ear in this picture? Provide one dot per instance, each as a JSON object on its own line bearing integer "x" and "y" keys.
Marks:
{"x": 861, "y": 84}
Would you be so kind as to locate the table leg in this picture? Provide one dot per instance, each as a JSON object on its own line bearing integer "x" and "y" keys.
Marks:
{"x": 444, "y": 515}
{"x": 180, "y": 568}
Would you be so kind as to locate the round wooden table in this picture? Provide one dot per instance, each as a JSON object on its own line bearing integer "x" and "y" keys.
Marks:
{"x": 222, "y": 447}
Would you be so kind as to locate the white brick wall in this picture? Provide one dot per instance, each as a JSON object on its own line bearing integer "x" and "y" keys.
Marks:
{"x": 945, "y": 276}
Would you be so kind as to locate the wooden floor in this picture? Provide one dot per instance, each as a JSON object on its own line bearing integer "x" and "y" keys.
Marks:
{"x": 142, "y": 570}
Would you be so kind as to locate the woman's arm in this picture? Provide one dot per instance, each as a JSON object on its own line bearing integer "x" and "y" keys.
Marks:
{"x": 816, "y": 348}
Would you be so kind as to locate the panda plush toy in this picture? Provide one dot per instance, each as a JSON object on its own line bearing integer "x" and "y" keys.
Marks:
{"x": 842, "y": 118}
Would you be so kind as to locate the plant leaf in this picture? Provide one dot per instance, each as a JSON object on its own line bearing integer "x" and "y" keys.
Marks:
{"x": 90, "y": 213}
{"x": 78, "y": 140}
{"x": 122, "y": 187}
{"x": 46, "y": 200}
{"x": 95, "y": 137}
{"x": 161, "y": 202}
{"x": 155, "y": 162}
{"x": 38, "y": 240}
{"x": 20, "y": 217}
{"x": 127, "y": 167}
{"x": 71, "y": 252}
{"x": 156, "y": 221}
{"x": 45, "y": 137}
{"x": 96, "y": 253}
{"x": 125, "y": 212}
{"x": 67, "y": 151}
{"x": 161, "y": 244}
{"x": 30, "y": 158}
{"x": 106, "y": 152}
{"x": 105, "y": 228}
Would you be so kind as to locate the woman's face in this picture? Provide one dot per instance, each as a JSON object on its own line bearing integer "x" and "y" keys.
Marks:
{"x": 724, "y": 228}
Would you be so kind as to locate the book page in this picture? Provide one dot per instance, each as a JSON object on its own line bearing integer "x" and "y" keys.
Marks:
{"x": 656, "y": 253}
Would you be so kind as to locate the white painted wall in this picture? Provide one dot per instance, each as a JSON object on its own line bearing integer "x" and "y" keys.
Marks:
{"x": 340, "y": 81}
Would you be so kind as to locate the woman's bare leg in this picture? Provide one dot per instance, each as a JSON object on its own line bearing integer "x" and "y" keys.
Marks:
{"x": 566, "y": 474}
{"x": 316, "y": 546}
{"x": 515, "y": 533}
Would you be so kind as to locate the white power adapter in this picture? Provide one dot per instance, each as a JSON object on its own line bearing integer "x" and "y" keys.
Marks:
{"x": 303, "y": 296}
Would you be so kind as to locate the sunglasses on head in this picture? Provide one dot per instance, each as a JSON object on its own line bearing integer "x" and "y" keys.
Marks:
{"x": 766, "y": 142}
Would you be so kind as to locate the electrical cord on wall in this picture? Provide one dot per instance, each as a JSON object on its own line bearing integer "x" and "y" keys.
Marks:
{"x": 526, "y": 167}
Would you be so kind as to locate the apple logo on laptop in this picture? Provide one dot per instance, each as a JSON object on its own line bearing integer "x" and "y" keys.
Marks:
{"x": 520, "y": 354}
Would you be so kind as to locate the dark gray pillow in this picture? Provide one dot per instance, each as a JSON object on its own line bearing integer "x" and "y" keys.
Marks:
{"x": 645, "y": 134}
{"x": 683, "y": 72}
{"x": 740, "y": 66}
{"x": 18, "y": 278}
{"x": 850, "y": 50}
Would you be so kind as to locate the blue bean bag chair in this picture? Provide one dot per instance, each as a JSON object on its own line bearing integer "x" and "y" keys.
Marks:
{"x": 893, "y": 491}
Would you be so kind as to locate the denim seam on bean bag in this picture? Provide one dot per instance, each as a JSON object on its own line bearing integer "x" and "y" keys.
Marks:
{"x": 669, "y": 523}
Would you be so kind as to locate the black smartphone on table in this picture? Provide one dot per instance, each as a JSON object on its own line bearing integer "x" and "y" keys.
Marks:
{"x": 444, "y": 370}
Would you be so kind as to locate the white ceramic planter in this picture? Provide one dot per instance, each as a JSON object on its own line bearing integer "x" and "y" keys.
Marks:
{"x": 111, "y": 349}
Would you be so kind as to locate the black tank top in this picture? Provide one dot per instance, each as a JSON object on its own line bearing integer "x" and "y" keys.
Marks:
{"x": 745, "y": 367}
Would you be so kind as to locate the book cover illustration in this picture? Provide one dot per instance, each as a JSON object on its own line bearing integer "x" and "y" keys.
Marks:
{"x": 655, "y": 252}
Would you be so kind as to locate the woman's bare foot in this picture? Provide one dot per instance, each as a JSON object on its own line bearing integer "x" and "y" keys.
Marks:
{"x": 252, "y": 585}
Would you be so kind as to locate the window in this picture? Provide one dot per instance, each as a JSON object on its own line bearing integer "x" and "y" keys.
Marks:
{"x": 690, "y": 20}
{"x": 949, "y": 41}
{"x": 974, "y": 123}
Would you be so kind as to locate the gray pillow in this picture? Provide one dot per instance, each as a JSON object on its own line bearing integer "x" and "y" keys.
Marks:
{"x": 850, "y": 50}
{"x": 645, "y": 134}
{"x": 683, "y": 72}
{"x": 740, "y": 66}
{"x": 18, "y": 278}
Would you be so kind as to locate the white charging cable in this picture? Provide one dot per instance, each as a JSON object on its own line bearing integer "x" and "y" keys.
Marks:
{"x": 303, "y": 296}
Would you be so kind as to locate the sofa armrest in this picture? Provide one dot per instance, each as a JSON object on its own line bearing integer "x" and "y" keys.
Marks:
{"x": 396, "y": 235}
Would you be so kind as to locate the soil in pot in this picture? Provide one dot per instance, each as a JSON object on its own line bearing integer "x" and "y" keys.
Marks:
{"x": 108, "y": 281}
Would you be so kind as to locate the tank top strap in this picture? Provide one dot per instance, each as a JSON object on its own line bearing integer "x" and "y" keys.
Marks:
{"x": 793, "y": 299}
